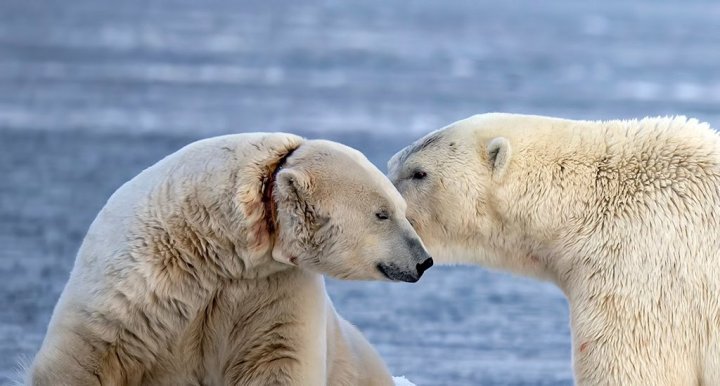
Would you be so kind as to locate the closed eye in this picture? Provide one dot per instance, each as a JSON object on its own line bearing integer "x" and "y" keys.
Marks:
{"x": 382, "y": 215}
{"x": 419, "y": 175}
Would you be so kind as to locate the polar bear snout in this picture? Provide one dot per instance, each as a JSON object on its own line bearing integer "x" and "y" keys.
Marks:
{"x": 418, "y": 260}
{"x": 424, "y": 266}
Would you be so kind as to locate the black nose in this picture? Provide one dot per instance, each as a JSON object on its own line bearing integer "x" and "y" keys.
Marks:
{"x": 422, "y": 267}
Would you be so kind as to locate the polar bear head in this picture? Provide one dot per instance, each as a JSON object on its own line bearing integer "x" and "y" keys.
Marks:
{"x": 475, "y": 190}
{"x": 337, "y": 214}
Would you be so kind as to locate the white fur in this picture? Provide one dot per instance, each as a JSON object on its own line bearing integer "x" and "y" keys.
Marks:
{"x": 623, "y": 216}
{"x": 175, "y": 283}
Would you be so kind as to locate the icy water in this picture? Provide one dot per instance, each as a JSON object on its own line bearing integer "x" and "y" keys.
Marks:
{"x": 92, "y": 92}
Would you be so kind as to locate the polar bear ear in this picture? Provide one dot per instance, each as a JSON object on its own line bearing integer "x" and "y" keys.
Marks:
{"x": 499, "y": 152}
{"x": 293, "y": 185}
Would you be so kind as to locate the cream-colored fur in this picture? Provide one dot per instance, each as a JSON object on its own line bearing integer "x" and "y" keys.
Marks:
{"x": 205, "y": 269}
{"x": 624, "y": 216}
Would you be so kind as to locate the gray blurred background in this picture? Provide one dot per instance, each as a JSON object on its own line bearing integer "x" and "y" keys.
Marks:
{"x": 92, "y": 92}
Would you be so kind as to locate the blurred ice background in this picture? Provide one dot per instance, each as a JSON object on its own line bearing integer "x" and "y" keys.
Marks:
{"x": 92, "y": 91}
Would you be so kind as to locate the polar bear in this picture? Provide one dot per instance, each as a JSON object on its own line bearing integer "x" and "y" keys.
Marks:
{"x": 623, "y": 216}
{"x": 205, "y": 269}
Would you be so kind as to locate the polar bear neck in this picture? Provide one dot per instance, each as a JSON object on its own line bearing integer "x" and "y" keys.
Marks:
{"x": 648, "y": 185}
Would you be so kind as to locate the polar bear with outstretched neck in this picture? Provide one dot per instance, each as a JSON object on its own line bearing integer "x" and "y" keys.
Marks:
{"x": 205, "y": 269}
{"x": 624, "y": 216}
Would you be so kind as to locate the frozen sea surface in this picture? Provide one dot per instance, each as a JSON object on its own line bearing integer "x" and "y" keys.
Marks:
{"x": 92, "y": 92}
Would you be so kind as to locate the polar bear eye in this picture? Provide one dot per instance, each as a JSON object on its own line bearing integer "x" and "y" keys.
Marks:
{"x": 382, "y": 215}
{"x": 419, "y": 175}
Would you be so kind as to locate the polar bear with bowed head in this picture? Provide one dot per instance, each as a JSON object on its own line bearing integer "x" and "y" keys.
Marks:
{"x": 205, "y": 269}
{"x": 623, "y": 216}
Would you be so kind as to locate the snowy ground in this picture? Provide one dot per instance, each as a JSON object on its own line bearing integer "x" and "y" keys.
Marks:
{"x": 91, "y": 92}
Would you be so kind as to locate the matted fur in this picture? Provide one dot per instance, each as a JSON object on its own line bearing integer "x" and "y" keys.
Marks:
{"x": 623, "y": 216}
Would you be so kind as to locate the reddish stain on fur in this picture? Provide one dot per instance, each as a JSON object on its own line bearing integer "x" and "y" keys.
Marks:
{"x": 584, "y": 346}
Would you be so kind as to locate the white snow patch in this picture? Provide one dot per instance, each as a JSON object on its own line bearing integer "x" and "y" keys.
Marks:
{"x": 402, "y": 381}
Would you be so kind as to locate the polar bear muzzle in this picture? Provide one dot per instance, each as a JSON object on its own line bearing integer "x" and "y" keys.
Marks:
{"x": 422, "y": 260}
